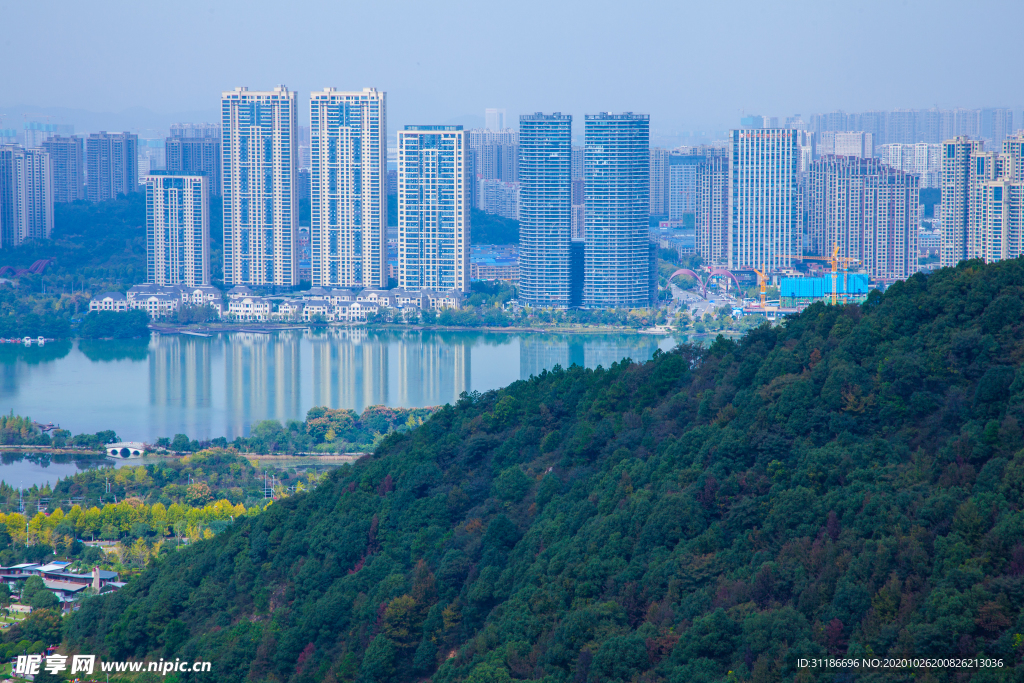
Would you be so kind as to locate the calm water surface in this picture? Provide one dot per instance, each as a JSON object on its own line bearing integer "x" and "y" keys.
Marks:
{"x": 24, "y": 471}
{"x": 220, "y": 385}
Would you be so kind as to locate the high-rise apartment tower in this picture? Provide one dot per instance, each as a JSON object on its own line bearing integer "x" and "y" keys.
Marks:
{"x": 67, "y": 159}
{"x": 178, "y": 230}
{"x": 617, "y": 167}
{"x": 348, "y": 184}
{"x": 868, "y": 211}
{"x": 545, "y": 209}
{"x": 111, "y": 165}
{"x": 194, "y": 149}
{"x": 956, "y": 185}
{"x": 26, "y": 195}
{"x": 764, "y": 230}
{"x": 259, "y": 149}
{"x": 433, "y": 208}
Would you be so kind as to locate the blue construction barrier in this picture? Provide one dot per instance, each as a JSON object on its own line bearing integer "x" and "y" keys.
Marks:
{"x": 851, "y": 284}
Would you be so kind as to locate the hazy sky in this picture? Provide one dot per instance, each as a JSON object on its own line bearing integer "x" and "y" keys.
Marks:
{"x": 690, "y": 65}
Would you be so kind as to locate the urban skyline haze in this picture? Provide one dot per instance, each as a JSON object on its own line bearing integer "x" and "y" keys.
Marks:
{"x": 582, "y": 58}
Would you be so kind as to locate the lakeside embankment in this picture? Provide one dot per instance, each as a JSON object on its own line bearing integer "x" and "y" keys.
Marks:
{"x": 89, "y": 454}
{"x": 214, "y": 328}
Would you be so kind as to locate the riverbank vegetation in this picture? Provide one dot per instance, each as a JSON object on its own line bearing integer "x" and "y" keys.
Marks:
{"x": 23, "y": 431}
{"x": 325, "y": 430}
{"x": 115, "y": 325}
{"x": 849, "y": 483}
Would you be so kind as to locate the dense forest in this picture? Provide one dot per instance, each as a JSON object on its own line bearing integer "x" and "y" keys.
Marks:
{"x": 848, "y": 483}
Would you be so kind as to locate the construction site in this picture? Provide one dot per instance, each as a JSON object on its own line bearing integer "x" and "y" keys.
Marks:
{"x": 832, "y": 279}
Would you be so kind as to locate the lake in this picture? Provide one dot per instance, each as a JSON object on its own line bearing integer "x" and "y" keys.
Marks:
{"x": 220, "y": 385}
{"x": 25, "y": 470}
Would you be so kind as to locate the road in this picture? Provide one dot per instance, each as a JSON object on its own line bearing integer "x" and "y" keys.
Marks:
{"x": 697, "y": 305}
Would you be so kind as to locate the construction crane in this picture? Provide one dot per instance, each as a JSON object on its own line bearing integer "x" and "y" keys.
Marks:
{"x": 835, "y": 260}
{"x": 762, "y": 281}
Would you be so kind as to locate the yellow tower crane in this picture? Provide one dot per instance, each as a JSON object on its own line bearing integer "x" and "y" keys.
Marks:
{"x": 835, "y": 260}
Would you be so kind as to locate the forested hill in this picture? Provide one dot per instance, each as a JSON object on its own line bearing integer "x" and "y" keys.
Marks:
{"x": 847, "y": 483}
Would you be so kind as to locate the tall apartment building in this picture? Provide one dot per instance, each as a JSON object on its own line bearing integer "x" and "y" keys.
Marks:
{"x": 35, "y": 133}
{"x": 908, "y": 126}
{"x": 67, "y": 161}
{"x": 996, "y": 203}
{"x": 178, "y": 230}
{"x": 682, "y": 184}
{"x": 194, "y": 149}
{"x": 545, "y": 209}
{"x": 494, "y": 119}
{"x": 763, "y": 226}
{"x": 956, "y": 186}
{"x": 26, "y": 195}
{"x": 433, "y": 208}
{"x": 711, "y": 216}
{"x": 922, "y": 158}
{"x": 806, "y": 148}
{"x": 579, "y": 202}
{"x": 493, "y": 155}
{"x": 846, "y": 143}
{"x": 348, "y": 184}
{"x": 617, "y": 254}
{"x": 659, "y": 182}
{"x": 259, "y": 131}
{"x": 868, "y": 210}
{"x": 111, "y": 165}
{"x": 195, "y": 130}
{"x": 996, "y": 124}
{"x": 498, "y": 197}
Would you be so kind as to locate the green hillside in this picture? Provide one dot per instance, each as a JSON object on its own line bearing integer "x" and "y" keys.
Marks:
{"x": 847, "y": 484}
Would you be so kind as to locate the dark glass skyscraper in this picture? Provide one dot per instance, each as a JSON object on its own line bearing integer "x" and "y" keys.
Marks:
{"x": 545, "y": 209}
{"x": 617, "y": 169}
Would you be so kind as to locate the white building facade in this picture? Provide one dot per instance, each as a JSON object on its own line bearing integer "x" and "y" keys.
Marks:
{"x": 178, "y": 230}
{"x": 348, "y": 153}
{"x": 763, "y": 230}
{"x": 956, "y": 183}
{"x": 259, "y": 155}
{"x": 433, "y": 208}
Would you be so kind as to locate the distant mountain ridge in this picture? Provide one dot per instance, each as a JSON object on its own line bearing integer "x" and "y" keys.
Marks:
{"x": 847, "y": 484}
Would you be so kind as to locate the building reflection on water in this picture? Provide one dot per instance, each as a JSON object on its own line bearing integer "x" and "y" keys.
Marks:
{"x": 263, "y": 378}
{"x": 350, "y": 369}
{"x": 221, "y": 385}
{"x": 543, "y": 352}
{"x": 180, "y": 375}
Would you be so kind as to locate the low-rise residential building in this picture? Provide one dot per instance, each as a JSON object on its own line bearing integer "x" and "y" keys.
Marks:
{"x": 494, "y": 262}
{"x": 245, "y": 305}
{"x": 109, "y": 301}
{"x": 317, "y": 309}
{"x": 159, "y": 300}
{"x": 157, "y": 305}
